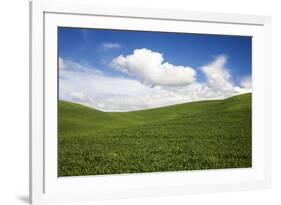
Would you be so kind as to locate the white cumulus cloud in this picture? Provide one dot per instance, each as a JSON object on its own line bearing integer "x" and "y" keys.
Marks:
{"x": 89, "y": 86}
{"x": 218, "y": 77}
{"x": 149, "y": 67}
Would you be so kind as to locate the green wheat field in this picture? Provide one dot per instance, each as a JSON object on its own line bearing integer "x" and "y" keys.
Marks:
{"x": 212, "y": 134}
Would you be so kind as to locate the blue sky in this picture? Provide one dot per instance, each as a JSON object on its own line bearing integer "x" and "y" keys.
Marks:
{"x": 96, "y": 49}
{"x": 85, "y": 46}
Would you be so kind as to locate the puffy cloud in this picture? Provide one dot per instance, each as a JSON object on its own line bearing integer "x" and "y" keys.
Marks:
{"x": 108, "y": 46}
{"x": 149, "y": 67}
{"x": 218, "y": 77}
{"x": 89, "y": 86}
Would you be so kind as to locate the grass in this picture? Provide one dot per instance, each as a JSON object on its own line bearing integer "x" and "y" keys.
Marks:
{"x": 192, "y": 136}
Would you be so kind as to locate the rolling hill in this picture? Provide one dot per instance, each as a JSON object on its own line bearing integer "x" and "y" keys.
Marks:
{"x": 192, "y": 136}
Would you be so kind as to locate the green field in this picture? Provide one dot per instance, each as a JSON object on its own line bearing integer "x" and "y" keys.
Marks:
{"x": 192, "y": 136}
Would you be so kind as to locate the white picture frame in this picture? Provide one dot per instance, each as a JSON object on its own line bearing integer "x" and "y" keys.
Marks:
{"x": 47, "y": 187}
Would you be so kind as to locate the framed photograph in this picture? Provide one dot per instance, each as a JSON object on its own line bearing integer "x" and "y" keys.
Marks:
{"x": 129, "y": 102}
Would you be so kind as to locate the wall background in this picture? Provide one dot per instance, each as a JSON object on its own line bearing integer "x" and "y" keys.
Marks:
{"x": 14, "y": 100}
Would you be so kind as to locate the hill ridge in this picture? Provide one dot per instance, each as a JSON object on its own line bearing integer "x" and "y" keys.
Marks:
{"x": 88, "y": 106}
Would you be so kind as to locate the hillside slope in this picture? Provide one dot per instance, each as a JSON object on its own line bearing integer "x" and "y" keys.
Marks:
{"x": 198, "y": 135}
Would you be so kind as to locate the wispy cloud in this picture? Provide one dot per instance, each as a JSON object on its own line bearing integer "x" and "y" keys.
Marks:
{"x": 109, "y": 46}
{"x": 61, "y": 63}
{"x": 246, "y": 82}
